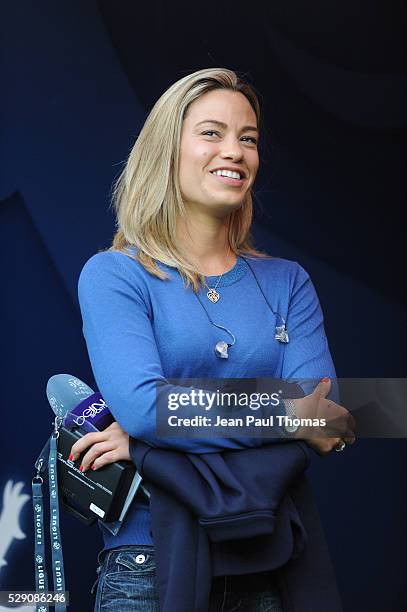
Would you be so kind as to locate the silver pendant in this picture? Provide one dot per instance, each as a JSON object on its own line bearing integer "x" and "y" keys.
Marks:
{"x": 221, "y": 349}
{"x": 281, "y": 334}
{"x": 213, "y": 295}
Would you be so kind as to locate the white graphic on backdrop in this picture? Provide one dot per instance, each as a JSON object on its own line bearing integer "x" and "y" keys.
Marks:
{"x": 10, "y": 530}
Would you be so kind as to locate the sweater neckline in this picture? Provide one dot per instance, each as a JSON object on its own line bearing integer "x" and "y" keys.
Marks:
{"x": 229, "y": 277}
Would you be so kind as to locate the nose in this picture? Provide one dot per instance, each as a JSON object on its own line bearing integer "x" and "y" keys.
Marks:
{"x": 232, "y": 149}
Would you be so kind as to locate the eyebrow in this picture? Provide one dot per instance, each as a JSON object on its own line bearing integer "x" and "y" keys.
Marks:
{"x": 246, "y": 128}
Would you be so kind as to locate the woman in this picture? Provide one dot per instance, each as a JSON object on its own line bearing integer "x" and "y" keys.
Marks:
{"x": 180, "y": 278}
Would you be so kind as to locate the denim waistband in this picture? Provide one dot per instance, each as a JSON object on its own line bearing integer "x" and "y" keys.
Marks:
{"x": 131, "y": 548}
{"x": 257, "y": 582}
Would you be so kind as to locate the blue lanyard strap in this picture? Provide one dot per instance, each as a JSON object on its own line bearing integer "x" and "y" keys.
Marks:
{"x": 55, "y": 533}
{"x": 41, "y": 576}
{"x": 48, "y": 456}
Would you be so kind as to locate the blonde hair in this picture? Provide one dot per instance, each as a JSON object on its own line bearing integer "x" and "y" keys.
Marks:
{"x": 147, "y": 196}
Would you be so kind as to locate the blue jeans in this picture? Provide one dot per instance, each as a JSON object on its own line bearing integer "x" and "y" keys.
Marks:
{"x": 126, "y": 583}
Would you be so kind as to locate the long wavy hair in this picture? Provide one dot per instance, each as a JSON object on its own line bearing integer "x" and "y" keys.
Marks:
{"x": 147, "y": 195}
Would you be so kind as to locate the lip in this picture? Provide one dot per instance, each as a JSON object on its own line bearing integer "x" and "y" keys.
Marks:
{"x": 239, "y": 170}
{"x": 229, "y": 181}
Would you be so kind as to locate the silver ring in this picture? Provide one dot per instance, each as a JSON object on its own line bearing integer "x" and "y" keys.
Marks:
{"x": 341, "y": 447}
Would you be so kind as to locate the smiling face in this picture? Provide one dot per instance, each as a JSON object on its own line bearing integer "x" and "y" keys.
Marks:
{"x": 218, "y": 152}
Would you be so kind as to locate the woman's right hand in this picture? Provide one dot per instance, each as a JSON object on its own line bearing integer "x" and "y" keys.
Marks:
{"x": 339, "y": 426}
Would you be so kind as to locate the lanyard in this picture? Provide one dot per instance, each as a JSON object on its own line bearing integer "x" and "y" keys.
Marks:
{"x": 48, "y": 457}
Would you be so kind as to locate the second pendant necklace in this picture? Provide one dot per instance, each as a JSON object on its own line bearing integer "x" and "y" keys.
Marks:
{"x": 212, "y": 294}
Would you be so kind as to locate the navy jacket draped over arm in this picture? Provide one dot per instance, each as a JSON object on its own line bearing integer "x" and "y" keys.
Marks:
{"x": 235, "y": 512}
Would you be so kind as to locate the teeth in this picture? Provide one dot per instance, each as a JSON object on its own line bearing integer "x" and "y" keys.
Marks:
{"x": 228, "y": 173}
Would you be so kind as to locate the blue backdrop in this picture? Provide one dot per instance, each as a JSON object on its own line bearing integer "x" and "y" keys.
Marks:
{"x": 78, "y": 80}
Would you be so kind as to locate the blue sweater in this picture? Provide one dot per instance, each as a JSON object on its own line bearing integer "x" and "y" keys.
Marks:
{"x": 141, "y": 330}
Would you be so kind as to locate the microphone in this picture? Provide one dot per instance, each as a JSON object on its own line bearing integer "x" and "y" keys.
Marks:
{"x": 77, "y": 404}
{"x": 105, "y": 494}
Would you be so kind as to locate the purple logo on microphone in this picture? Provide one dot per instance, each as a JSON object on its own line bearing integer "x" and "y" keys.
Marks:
{"x": 92, "y": 410}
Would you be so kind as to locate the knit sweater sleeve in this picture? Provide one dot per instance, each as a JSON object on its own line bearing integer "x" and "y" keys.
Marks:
{"x": 307, "y": 357}
{"x": 124, "y": 355}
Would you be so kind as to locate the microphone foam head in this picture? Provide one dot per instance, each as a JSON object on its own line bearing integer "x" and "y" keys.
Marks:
{"x": 65, "y": 391}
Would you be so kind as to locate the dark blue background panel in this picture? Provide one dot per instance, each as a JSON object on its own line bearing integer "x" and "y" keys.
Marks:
{"x": 43, "y": 330}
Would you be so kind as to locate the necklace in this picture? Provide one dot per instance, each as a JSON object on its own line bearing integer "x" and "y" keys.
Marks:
{"x": 212, "y": 294}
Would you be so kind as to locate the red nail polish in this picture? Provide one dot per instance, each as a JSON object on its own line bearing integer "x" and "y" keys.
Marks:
{"x": 81, "y": 468}
{"x": 92, "y": 467}
{"x": 70, "y": 457}
{"x": 325, "y": 379}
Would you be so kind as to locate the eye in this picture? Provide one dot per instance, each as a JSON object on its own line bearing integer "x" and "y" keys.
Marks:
{"x": 210, "y": 133}
{"x": 250, "y": 139}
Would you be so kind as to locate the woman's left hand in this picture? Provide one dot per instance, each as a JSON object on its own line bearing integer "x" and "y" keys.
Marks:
{"x": 107, "y": 446}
